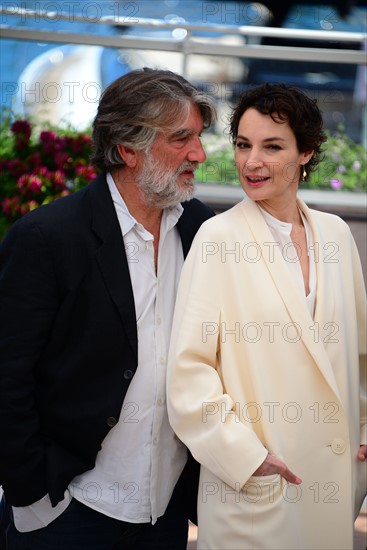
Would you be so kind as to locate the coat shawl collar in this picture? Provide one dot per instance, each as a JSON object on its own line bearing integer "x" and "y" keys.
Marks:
{"x": 289, "y": 292}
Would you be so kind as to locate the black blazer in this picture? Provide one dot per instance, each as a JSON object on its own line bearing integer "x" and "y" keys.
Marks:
{"x": 68, "y": 338}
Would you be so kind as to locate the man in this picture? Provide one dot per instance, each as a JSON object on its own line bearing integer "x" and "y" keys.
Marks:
{"x": 87, "y": 290}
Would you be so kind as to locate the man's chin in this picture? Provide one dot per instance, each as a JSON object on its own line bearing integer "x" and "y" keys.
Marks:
{"x": 183, "y": 194}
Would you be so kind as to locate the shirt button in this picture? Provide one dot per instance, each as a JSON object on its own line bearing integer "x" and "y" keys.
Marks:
{"x": 155, "y": 441}
{"x": 128, "y": 374}
{"x": 160, "y": 401}
{"x": 338, "y": 446}
{"x": 162, "y": 360}
{"x": 111, "y": 421}
{"x": 159, "y": 320}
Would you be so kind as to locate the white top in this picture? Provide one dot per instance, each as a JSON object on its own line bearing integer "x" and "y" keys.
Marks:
{"x": 141, "y": 458}
{"x": 281, "y": 232}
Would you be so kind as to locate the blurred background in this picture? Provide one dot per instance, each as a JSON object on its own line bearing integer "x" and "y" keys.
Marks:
{"x": 61, "y": 81}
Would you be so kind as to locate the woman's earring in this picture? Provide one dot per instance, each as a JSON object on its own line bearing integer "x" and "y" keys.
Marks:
{"x": 304, "y": 174}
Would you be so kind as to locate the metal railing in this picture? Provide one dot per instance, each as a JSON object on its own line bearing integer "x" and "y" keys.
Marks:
{"x": 189, "y": 44}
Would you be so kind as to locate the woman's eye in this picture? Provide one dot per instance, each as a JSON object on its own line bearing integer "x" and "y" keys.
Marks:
{"x": 274, "y": 147}
{"x": 242, "y": 145}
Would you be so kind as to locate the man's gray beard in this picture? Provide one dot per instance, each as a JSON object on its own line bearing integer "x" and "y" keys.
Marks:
{"x": 159, "y": 185}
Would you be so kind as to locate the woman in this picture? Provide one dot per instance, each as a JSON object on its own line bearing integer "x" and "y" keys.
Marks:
{"x": 264, "y": 381}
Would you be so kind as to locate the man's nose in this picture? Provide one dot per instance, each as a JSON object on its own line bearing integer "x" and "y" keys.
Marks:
{"x": 196, "y": 152}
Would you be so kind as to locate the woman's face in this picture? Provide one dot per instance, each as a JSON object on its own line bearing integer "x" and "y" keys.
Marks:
{"x": 267, "y": 158}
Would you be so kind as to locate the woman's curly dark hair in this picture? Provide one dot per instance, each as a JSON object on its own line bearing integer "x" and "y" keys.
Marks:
{"x": 285, "y": 103}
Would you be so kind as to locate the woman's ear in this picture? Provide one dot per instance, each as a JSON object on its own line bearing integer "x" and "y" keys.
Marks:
{"x": 128, "y": 155}
{"x": 306, "y": 157}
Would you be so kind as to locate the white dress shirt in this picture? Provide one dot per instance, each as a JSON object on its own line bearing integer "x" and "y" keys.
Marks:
{"x": 141, "y": 458}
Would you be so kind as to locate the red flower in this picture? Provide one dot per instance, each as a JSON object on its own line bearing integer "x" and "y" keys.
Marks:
{"x": 21, "y": 127}
{"x": 29, "y": 182}
{"x": 47, "y": 136}
{"x": 10, "y": 206}
{"x": 88, "y": 172}
{"x": 35, "y": 184}
{"x": 22, "y": 131}
{"x": 58, "y": 178}
{"x": 62, "y": 160}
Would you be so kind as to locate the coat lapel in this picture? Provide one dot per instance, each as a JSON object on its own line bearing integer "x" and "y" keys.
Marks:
{"x": 187, "y": 230}
{"x": 287, "y": 288}
{"x": 111, "y": 257}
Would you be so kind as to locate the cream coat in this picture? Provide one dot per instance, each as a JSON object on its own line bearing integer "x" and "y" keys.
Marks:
{"x": 250, "y": 372}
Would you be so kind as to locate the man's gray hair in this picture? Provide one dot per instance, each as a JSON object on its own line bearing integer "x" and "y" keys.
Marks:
{"x": 138, "y": 105}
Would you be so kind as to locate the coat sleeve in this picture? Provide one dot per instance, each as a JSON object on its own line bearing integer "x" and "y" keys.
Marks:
{"x": 28, "y": 301}
{"x": 202, "y": 414}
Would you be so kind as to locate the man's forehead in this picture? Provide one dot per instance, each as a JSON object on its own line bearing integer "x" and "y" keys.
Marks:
{"x": 190, "y": 124}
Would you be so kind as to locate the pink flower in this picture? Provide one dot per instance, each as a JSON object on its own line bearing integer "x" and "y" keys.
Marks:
{"x": 29, "y": 182}
{"x": 35, "y": 184}
{"x": 336, "y": 184}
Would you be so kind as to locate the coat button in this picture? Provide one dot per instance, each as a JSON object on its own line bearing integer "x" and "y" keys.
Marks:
{"x": 128, "y": 374}
{"x": 338, "y": 446}
{"x": 111, "y": 421}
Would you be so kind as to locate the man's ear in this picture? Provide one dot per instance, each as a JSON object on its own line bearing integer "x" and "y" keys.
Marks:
{"x": 128, "y": 155}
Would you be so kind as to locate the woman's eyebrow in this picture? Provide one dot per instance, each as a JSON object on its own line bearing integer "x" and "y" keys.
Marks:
{"x": 272, "y": 138}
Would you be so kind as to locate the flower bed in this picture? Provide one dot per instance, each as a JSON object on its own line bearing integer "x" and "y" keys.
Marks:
{"x": 39, "y": 167}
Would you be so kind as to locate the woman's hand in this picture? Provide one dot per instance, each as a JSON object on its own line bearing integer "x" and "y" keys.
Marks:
{"x": 273, "y": 465}
{"x": 362, "y": 453}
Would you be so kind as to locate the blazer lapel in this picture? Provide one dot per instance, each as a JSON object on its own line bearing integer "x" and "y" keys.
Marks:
{"x": 287, "y": 288}
{"x": 187, "y": 230}
{"x": 111, "y": 257}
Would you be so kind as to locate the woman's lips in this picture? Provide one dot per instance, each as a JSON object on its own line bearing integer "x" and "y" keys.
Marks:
{"x": 255, "y": 181}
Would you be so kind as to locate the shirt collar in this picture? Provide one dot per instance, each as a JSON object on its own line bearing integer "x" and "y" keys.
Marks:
{"x": 275, "y": 223}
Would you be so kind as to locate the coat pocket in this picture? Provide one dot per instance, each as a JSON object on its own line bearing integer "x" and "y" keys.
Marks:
{"x": 263, "y": 489}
